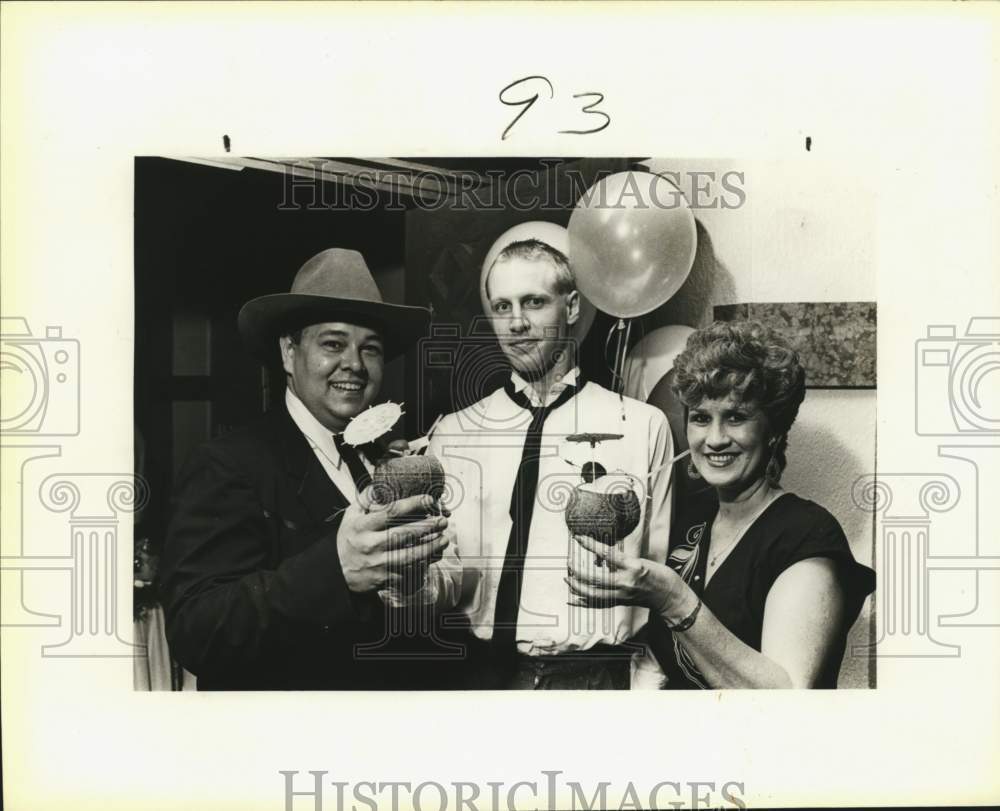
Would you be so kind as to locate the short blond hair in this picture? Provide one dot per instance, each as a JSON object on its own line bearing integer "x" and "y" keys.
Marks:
{"x": 534, "y": 250}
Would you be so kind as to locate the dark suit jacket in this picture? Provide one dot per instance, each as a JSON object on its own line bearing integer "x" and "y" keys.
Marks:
{"x": 253, "y": 589}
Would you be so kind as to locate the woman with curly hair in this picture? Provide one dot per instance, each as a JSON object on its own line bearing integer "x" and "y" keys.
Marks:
{"x": 759, "y": 588}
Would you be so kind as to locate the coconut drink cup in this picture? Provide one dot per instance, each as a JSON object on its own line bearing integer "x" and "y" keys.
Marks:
{"x": 606, "y": 510}
{"x": 400, "y": 473}
{"x": 399, "y": 477}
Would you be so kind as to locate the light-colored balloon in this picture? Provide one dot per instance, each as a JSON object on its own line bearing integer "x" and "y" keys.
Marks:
{"x": 652, "y": 358}
{"x": 551, "y": 234}
{"x": 663, "y": 397}
{"x": 632, "y": 241}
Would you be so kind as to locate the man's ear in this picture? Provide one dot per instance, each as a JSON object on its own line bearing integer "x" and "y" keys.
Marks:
{"x": 572, "y": 307}
{"x": 287, "y": 348}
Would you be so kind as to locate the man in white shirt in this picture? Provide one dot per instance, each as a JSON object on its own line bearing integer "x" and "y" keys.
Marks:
{"x": 510, "y": 460}
{"x": 273, "y": 560}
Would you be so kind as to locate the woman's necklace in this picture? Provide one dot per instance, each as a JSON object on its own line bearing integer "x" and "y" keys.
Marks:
{"x": 712, "y": 561}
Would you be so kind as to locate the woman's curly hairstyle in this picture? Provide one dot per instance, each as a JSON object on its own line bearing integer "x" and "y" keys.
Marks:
{"x": 752, "y": 362}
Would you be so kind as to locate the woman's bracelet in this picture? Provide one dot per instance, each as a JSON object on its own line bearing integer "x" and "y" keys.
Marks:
{"x": 688, "y": 621}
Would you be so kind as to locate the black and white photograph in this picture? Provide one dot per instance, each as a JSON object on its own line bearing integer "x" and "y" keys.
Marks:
{"x": 496, "y": 406}
{"x": 495, "y": 424}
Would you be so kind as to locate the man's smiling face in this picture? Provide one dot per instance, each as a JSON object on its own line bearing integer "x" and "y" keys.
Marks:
{"x": 335, "y": 369}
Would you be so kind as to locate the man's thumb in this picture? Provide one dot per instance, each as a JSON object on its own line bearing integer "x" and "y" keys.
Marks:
{"x": 366, "y": 499}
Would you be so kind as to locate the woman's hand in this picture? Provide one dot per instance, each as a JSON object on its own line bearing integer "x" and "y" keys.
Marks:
{"x": 625, "y": 580}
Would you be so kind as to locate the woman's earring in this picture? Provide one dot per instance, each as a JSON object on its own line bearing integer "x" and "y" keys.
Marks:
{"x": 773, "y": 471}
{"x": 693, "y": 471}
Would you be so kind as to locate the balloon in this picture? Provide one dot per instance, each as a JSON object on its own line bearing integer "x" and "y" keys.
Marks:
{"x": 553, "y": 235}
{"x": 652, "y": 358}
{"x": 648, "y": 378}
{"x": 632, "y": 241}
{"x": 663, "y": 397}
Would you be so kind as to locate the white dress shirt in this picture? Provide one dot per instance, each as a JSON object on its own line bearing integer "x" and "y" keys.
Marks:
{"x": 480, "y": 448}
{"x": 320, "y": 439}
{"x": 522, "y": 386}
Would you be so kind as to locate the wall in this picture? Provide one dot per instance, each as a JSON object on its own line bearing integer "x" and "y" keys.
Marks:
{"x": 804, "y": 233}
{"x": 206, "y": 241}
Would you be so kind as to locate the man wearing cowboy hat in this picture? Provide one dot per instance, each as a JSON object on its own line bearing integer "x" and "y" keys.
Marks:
{"x": 510, "y": 450}
{"x": 273, "y": 564}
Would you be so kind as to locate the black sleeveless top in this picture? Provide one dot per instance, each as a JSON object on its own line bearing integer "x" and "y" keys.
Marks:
{"x": 789, "y": 530}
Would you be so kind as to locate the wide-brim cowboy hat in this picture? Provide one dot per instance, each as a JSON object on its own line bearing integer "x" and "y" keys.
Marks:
{"x": 335, "y": 285}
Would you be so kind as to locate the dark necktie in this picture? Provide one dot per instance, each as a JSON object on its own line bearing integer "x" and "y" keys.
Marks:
{"x": 522, "y": 506}
{"x": 354, "y": 464}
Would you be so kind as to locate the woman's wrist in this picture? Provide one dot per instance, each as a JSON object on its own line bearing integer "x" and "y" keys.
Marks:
{"x": 680, "y": 606}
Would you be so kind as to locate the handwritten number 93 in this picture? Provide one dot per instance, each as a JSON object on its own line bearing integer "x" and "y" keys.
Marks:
{"x": 519, "y": 94}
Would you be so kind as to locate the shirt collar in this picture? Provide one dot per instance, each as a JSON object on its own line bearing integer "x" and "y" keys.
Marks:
{"x": 521, "y": 385}
{"x": 317, "y": 434}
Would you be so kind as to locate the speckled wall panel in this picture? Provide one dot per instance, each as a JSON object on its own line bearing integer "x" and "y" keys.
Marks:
{"x": 835, "y": 340}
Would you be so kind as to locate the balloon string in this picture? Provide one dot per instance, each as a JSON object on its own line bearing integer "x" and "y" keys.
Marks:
{"x": 610, "y": 363}
{"x": 625, "y": 345}
{"x": 619, "y": 380}
{"x": 618, "y": 357}
{"x": 616, "y": 365}
{"x": 621, "y": 366}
